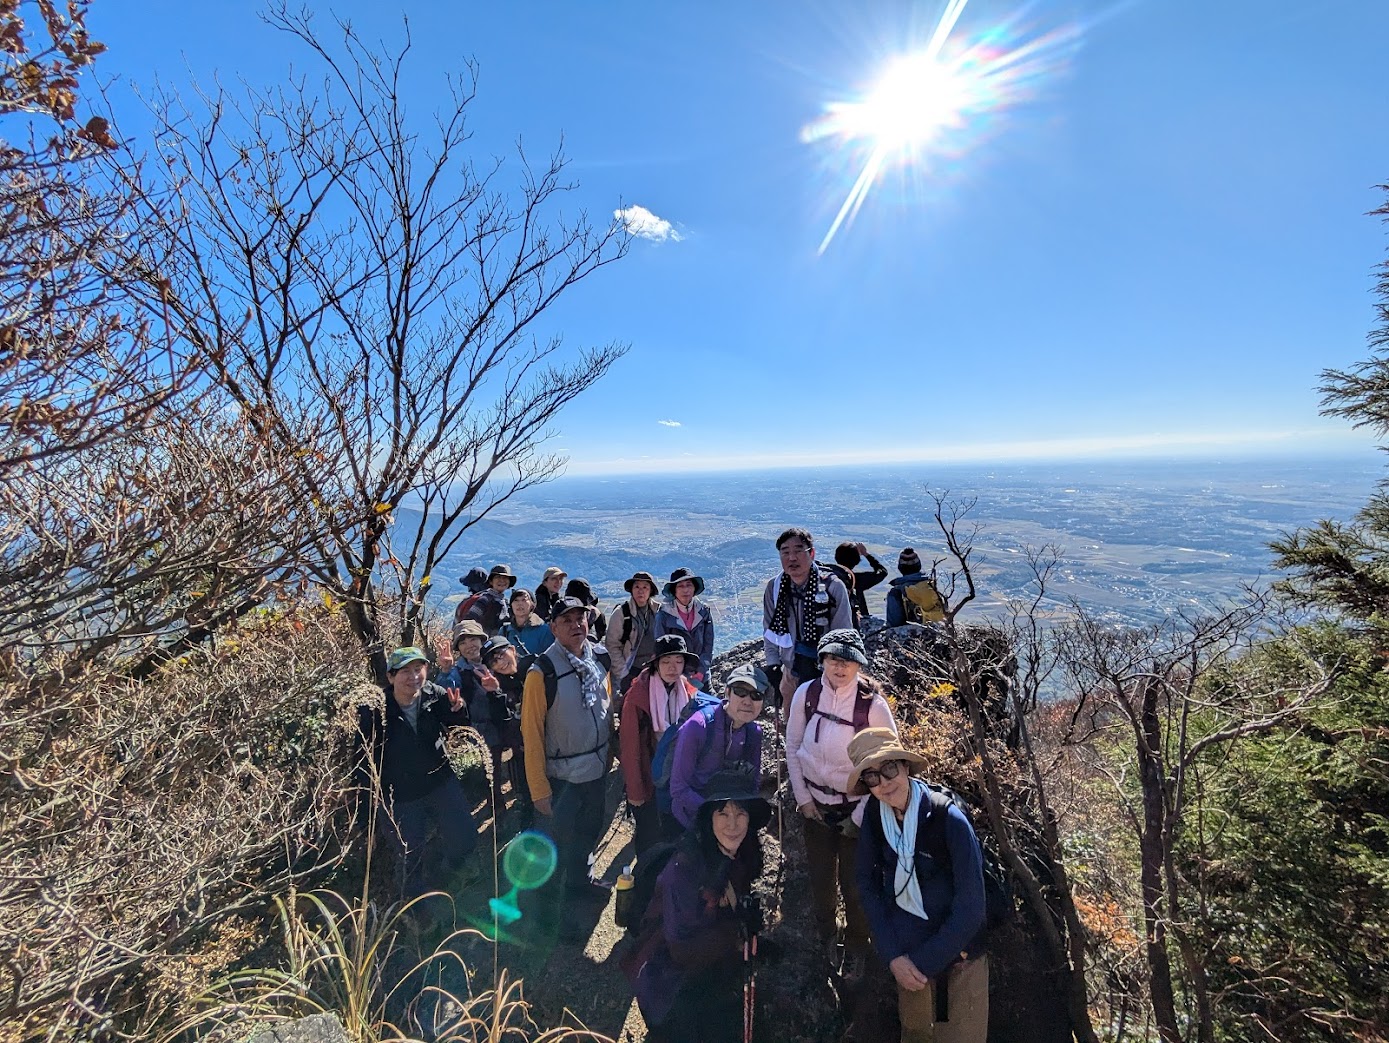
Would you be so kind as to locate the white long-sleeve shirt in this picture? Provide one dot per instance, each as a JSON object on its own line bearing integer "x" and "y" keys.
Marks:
{"x": 818, "y": 750}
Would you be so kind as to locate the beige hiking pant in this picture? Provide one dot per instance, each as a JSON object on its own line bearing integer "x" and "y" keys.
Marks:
{"x": 967, "y": 989}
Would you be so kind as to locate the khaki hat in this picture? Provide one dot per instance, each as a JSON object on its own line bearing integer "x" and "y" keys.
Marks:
{"x": 874, "y": 747}
{"x": 552, "y": 572}
{"x": 468, "y": 628}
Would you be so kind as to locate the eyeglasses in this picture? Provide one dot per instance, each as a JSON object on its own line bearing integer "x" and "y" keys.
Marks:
{"x": 746, "y": 693}
{"x": 874, "y": 776}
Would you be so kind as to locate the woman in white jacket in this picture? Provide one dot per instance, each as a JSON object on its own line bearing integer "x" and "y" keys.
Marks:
{"x": 825, "y": 714}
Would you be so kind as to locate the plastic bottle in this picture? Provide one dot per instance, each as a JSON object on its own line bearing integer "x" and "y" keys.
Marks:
{"x": 623, "y": 900}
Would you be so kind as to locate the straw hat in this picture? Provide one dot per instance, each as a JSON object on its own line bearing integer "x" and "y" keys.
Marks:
{"x": 874, "y": 747}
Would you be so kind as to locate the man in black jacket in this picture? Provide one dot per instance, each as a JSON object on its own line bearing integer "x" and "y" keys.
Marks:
{"x": 407, "y": 748}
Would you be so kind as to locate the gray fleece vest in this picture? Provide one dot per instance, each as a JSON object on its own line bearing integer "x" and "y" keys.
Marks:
{"x": 576, "y": 736}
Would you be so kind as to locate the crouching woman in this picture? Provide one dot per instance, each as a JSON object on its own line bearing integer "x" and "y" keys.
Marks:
{"x": 920, "y": 876}
{"x": 702, "y": 921}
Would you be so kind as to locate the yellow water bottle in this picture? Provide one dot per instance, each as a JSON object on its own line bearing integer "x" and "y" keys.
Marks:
{"x": 623, "y": 890}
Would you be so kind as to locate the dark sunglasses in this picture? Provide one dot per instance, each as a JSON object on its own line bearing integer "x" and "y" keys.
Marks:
{"x": 872, "y": 776}
{"x": 746, "y": 693}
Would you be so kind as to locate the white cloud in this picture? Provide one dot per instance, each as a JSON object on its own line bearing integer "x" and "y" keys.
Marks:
{"x": 641, "y": 222}
{"x": 668, "y": 423}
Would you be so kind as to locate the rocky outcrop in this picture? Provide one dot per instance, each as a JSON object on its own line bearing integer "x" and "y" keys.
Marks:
{"x": 316, "y": 1028}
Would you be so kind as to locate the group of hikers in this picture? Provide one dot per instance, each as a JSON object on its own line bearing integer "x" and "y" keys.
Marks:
{"x": 560, "y": 692}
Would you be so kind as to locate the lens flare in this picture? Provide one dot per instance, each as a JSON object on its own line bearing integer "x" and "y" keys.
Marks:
{"x": 937, "y": 102}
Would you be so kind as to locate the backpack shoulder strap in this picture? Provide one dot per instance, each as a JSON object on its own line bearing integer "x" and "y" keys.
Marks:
{"x": 812, "y": 698}
{"x": 708, "y": 712}
{"x": 863, "y": 702}
{"x": 546, "y": 667}
{"x": 931, "y": 839}
{"x": 626, "y": 609}
{"x": 863, "y": 706}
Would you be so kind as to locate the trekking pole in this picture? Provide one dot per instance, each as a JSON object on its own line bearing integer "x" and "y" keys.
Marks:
{"x": 749, "y": 987}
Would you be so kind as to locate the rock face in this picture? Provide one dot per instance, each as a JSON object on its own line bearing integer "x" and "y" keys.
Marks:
{"x": 316, "y": 1028}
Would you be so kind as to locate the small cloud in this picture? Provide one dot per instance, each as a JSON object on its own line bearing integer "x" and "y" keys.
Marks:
{"x": 641, "y": 222}
{"x": 668, "y": 423}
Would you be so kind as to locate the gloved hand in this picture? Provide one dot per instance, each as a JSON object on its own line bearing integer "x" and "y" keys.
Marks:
{"x": 774, "y": 677}
{"x": 750, "y": 915}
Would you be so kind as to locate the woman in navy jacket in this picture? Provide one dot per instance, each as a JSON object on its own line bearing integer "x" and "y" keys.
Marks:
{"x": 920, "y": 874}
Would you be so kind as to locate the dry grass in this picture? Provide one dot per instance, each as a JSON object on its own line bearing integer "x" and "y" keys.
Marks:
{"x": 138, "y": 816}
{"x": 348, "y": 958}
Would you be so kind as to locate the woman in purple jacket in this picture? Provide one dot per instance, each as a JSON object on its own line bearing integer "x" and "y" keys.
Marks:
{"x": 728, "y": 739}
{"x": 691, "y": 958}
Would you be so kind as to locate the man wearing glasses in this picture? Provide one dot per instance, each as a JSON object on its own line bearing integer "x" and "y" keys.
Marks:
{"x": 798, "y": 607}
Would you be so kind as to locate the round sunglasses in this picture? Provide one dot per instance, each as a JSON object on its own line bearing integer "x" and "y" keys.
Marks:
{"x": 873, "y": 776}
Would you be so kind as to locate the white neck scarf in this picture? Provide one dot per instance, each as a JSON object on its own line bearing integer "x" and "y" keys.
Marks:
{"x": 590, "y": 674}
{"x": 903, "y": 841}
{"x": 666, "y": 705}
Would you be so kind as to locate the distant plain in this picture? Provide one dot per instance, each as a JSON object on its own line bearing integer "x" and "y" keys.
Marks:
{"x": 1138, "y": 539}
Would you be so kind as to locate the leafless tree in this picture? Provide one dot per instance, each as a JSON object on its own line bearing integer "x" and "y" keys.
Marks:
{"x": 1164, "y": 696}
{"x": 999, "y": 692}
{"x": 346, "y": 271}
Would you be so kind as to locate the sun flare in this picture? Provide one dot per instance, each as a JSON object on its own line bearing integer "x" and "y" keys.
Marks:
{"x": 935, "y": 103}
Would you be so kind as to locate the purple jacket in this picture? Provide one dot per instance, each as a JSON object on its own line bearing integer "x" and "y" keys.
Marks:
{"x": 699, "y": 942}
{"x": 703, "y": 749}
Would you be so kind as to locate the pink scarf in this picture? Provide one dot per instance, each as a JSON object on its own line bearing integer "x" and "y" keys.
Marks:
{"x": 666, "y": 706}
{"x": 688, "y": 618}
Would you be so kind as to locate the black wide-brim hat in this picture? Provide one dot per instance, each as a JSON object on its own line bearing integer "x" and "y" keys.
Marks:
{"x": 738, "y": 787}
{"x": 502, "y": 570}
{"x": 672, "y": 644}
{"x": 679, "y": 576}
{"x": 640, "y": 576}
{"x": 475, "y": 580}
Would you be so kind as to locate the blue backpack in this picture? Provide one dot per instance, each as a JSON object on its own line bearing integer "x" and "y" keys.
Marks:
{"x": 664, "y": 757}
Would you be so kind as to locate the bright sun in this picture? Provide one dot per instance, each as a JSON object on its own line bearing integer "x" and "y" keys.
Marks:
{"x": 937, "y": 101}
{"x": 913, "y": 100}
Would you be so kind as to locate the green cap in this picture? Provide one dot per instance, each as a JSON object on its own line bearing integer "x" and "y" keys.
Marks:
{"x": 404, "y": 657}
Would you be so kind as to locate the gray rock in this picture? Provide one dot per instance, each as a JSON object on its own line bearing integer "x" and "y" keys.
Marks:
{"x": 316, "y": 1028}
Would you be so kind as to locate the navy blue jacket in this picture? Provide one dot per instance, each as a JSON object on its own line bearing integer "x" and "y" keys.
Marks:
{"x": 896, "y": 611}
{"x": 951, "y": 893}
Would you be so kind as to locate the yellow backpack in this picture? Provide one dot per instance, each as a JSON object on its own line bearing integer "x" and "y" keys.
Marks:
{"x": 921, "y": 603}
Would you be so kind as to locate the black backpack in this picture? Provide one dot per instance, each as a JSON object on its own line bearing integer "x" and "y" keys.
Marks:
{"x": 998, "y": 886}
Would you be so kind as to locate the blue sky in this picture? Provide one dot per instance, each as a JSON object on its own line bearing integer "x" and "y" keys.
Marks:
{"x": 1156, "y": 250}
